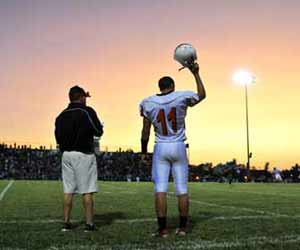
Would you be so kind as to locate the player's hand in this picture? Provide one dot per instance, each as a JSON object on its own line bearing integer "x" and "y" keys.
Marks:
{"x": 144, "y": 157}
{"x": 146, "y": 161}
{"x": 194, "y": 68}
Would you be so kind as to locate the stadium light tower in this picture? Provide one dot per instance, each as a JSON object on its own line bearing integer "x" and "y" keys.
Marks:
{"x": 245, "y": 78}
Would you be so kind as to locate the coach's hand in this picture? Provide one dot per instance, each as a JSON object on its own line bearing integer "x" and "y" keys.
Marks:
{"x": 194, "y": 68}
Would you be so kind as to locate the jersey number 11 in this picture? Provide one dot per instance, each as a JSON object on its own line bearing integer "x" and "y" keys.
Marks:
{"x": 161, "y": 118}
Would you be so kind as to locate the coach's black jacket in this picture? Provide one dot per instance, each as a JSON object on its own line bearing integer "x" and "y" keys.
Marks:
{"x": 76, "y": 127}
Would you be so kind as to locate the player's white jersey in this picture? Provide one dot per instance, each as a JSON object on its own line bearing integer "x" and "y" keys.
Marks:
{"x": 277, "y": 175}
{"x": 167, "y": 114}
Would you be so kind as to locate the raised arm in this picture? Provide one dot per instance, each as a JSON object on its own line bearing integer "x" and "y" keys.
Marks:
{"x": 145, "y": 135}
{"x": 200, "y": 88}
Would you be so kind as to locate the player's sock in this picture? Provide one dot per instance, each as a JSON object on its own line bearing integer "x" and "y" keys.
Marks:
{"x": 162, "y": 222}
{"x": 90, "y": 227}
{"x": 182, "y": 221}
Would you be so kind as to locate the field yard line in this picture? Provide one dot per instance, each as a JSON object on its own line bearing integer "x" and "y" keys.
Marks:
{"x": 120, "y": 190}
{"x": 238, "y": 208}
{"x": 250, "y": 217}
{"x": 232, "y": 207}
{"x": 141, "y": 220}
{"x": 118, "y": 221}
{"x": 222, "y": 206}
{"x": 5, "y": 190}
{"x": 247, "y": 192}
{"x": 135, "y": 220}
{"x": 127, "y": 192}
{"x": 191, "y": 244}
{"x": 11, "y": 248}
{"x": 117, "y": 188}
{"x": 252, "y": 241}
{"x": 235, "y": 208}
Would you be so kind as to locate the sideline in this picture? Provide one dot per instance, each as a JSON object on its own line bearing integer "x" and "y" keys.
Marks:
{"x": 249, "y": 243}
{"x": 5, "y": 190}
{"x": 143, "y": 220}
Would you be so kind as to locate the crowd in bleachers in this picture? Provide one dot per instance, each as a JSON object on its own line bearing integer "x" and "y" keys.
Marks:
{"x": 123, "y": 165}
{"x": 23, "y": 162}
{"x": 233, "y": 172}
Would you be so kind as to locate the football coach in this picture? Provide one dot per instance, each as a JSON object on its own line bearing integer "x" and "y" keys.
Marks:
{"x": 75, "y": 129}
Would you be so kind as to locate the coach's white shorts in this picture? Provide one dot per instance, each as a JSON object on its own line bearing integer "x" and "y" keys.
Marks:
{"x": 79, "y": 173}
{"x": 166, "y": 156}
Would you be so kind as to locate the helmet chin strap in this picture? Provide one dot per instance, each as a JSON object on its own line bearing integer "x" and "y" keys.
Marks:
{"x": 182, "y": 68}
{"x": 187, "y": 66}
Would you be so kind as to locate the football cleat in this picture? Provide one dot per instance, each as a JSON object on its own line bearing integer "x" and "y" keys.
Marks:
{"x": 181, "y": 231}
{"x": 163, "y": 233}
{"x": 67, "y": 227}
{"x": 90, "y": 228}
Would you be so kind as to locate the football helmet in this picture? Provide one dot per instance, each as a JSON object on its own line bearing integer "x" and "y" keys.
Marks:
{"x": 185, "y": 54}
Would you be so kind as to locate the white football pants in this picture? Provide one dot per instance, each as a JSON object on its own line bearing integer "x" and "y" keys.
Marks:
{"x": 166, "y": 156}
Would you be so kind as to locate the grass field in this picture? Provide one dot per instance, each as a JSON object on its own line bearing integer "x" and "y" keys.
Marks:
{"x": 240, "y": 216}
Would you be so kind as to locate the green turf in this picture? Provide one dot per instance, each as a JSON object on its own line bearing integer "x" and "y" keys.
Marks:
{"x": 223, "y": 216}
{"x": 3, "y": 184}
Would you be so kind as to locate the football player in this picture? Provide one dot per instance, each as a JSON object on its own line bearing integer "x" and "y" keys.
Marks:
{"x": 276, "y": 175}
{"x": 166, "y": 112}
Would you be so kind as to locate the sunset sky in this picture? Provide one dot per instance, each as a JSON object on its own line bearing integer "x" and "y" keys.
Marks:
{"x": 118, "y": 49}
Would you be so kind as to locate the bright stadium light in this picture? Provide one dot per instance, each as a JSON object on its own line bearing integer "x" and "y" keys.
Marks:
{"x": 245, "y": 78}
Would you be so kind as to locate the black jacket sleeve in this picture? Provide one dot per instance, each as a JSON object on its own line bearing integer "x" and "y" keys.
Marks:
{"x": 57, "y": 131}
{"x": 95, "y": 122}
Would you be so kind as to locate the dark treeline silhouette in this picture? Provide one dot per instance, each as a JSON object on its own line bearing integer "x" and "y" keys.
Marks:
{"x": 23, "y": 162}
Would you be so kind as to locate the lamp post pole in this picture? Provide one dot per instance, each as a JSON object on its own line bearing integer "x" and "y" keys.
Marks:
{"x": 247, "y": 127}
{"x": 245, "y": 78}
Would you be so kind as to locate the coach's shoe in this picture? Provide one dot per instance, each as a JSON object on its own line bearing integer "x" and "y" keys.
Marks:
{"x": 90, "y": 228}
{"x": 163, "y": 233}
{"x": 181, "y": 231}
{"x": 67, "y": 227}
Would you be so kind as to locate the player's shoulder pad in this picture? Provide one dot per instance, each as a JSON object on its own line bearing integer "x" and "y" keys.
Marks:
{"x": 182, "y": 94}
{"x": 149, "y": 98}
{"x": 191, "y": 98}
{"x": 146, "y": 101}
{"x": 187, "y": 92}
